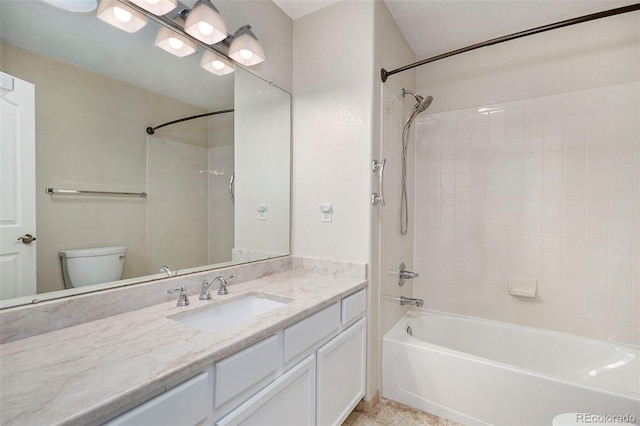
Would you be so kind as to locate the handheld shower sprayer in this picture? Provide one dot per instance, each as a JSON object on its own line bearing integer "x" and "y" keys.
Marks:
{"x": 422, "y": 103}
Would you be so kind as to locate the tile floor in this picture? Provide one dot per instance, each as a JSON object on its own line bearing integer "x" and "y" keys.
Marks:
{"x": 391, "y": 413}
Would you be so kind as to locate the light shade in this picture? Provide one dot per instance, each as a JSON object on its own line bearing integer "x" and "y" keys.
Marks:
{"x": 205, "y": 23}
{"x": 173, "y": 42}
{"x": 216, "y": 64}
{"x": 157, "y": 7}
{"x": 121, "y": 16}
{"x": 74, "y": 6}
{"x": 245, "y": 48}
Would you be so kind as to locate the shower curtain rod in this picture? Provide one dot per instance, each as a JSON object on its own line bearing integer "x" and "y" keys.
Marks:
{"x": 152, "y": 130}
{"x": 384, "y": 74}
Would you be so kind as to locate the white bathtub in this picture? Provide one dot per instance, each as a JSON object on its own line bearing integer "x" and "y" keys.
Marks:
{"x": 476, "y": 371}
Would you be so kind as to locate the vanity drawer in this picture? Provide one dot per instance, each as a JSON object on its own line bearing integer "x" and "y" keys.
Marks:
{"x": 303, "y": 335}
{"x": 186, "y": 404}
{"x": 239, "y": 372}
{"x": 354, "y": 306}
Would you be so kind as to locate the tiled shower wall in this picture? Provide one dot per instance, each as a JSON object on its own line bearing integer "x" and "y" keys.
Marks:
{"x": 177, "y": 204}
{"x": 221, "y": 220}
{"x": 546, "y": 188}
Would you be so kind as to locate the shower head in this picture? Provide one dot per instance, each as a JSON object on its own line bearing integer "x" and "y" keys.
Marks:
{"x": 421, "y": 105}
{"x": 424, "y": 104}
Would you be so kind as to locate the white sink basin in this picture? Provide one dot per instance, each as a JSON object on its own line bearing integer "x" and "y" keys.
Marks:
{"x": 220, "y": 317}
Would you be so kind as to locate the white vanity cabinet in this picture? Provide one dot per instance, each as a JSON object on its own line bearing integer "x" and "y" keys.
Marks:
{"x": 185, "y": 405}
{"x": 310, "y": 373}
{"x": 289, "y": 400}
{"x": 323, "y": 360}
{"x": 341, "y": 375}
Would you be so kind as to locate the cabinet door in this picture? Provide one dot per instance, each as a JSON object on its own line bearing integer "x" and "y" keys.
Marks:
{"x": 341, "y": 375}
{"x": 185, "y": 405}
{"x": 289, "y": 400}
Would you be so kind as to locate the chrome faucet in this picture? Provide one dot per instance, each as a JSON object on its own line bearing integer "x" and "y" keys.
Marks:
{"x": 205, "y": 294}
{"x": 403, "y": 274}
{"x": 183, "y": 300}
{"x": 409, "y": 301}
{"x": 168, "y": 271}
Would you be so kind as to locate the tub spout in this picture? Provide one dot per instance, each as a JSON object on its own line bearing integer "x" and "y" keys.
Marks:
{"x": 409, "y": 301}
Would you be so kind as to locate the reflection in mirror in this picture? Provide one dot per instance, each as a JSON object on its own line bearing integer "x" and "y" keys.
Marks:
{"x": 96, "y": 91}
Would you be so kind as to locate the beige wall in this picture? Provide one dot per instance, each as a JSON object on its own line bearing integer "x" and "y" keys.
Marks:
{"x": 90, "y": 134}
{"x": 337, "y": 131}
{"x": 332, "y": 122}
{"x": 592, "y": 54}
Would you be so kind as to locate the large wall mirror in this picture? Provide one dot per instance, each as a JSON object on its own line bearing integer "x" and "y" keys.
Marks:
{"x": 218, "y": 188}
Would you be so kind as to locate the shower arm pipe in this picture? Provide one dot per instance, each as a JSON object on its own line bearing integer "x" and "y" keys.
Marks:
{"x": 384, "y": 74}
{"x": 152, "y": 130}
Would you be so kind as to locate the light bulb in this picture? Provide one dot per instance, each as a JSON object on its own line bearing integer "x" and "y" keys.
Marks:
{"x": 175, "y": 43}
{"x": 121, "y": 14}
{"x": 205, "y": 28}
{"x": 215, "y": 63}
{"x": 246, "y": 54}
{"x": 157, "y": 7}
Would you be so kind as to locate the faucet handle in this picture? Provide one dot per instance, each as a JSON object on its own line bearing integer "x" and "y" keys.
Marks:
{"x": 402, "y": 274}
{"x": 222, "y": 290}
{"x": 204, "y": 294}
{"x": 183, "y": 300}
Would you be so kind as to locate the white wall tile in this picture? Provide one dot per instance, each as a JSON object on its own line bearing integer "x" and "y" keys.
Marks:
{"x": 545, "y": 187}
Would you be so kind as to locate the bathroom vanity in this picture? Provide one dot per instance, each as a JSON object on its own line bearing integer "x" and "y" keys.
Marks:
{"x": 302, "y": 362}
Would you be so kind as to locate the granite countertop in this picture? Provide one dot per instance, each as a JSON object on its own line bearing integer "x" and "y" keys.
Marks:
{"x": 89, "y": 372}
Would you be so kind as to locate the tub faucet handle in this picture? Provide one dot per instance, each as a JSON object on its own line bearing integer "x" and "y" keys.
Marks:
{"x": 183, "y": 300}
{"x": 403, "y": 274}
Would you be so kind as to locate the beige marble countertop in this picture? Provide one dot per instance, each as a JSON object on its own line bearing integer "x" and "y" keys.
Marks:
{"x": 89, "y": 372}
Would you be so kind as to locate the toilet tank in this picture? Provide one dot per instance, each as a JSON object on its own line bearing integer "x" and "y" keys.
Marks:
{"x": 92, "y": 265}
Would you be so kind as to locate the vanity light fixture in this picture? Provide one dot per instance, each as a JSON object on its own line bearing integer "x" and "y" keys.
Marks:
{"x": 121, "y": 16}
{"x": 245, "y": 47}
{"x": 157, "y": 7}
{"x": 216, "y": 64}
{"x": 183, "y": 30}
{"x": 173, "y": 42}
{"x": 205, "y": 23}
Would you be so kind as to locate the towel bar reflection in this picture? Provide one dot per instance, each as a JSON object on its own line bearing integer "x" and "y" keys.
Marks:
{"x": 58, "y": 191}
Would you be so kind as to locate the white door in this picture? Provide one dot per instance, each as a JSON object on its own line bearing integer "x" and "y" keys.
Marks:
{"x": 17, "y": 181}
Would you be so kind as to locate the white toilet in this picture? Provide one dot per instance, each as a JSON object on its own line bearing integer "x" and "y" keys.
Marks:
{"x": 92, "y": 265}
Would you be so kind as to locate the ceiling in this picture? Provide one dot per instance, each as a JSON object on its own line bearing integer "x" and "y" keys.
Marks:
{"x": 297, "y": 8}
{"x": 433, "y": 27}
